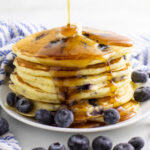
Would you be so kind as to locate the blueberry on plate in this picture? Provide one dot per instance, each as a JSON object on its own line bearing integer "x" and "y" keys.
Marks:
{"x": 4, "y": 126}
{"x": 137, "y": 143}
{"x": 64, "y": 118}
{"x": 39, "y": 148}
{"x": 24, "y": 105}
{"x": 102, "y": 143}
{"x": 43, "y": 116}
{"x": 56, "y": 146}
{"x": 111, "y": 116}
{"x": 11, "y": 99}
{"x": 142, "y": 94}
{"x": 124, "y": 146}
{"x": 78, "y": 142}
{"x": 139, "y": 76}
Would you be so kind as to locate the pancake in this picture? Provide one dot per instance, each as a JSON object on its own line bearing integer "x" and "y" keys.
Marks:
{"x": 80, "y": 63}
{"x": 87, "y": 73}
{"x": 36, "y": 106}
{"x": 40, "y": 70}
{"x": 74, "y": 81}
{"x": 30, "y": 92}
{"x": 49, "y": 85}
{"x": 54, "y": 49}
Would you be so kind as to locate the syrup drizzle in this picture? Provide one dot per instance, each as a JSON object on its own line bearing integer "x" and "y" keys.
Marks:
{"x": 68, "y": 8}
{"x": 110, "y": 82}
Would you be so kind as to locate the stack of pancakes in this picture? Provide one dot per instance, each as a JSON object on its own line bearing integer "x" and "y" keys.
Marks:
{"x": 87, "y": 73}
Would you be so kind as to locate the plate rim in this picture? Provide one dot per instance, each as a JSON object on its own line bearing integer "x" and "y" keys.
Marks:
{"x": 70, "y": 130}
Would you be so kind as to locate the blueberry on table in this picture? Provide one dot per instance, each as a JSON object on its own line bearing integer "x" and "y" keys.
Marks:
{"x": 139, "y": 76}
{"x": 124, "y": 146}
{"x": 39, "y": 148}
{"x": 43, "y": 116}
{"x": 4, "y": 126}
{"x": 56, "y": 146}
{"x": 64, "y": 118}
{"x": 24, "y": 105}
{"x": 11, "y": 99}
{"x": 102, "y": 143}
{"x": 78, "y": 142}
{"x": 142, "y": 94}
{"x": 111, "y": 116}
{"x": 137, "y": 143}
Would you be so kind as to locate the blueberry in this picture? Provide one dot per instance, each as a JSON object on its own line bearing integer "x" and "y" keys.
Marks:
{"x": 78, "y": 142}
{"x": 137, "y": 143}
{"x": 84, "y": 87}
{"x": 139, "y": 76}
{"x": 56, "y": 146}
{"x": 39, "y": 148}
{"x": 24, "y": 105}
{"x": 103, "y": 46}
{"x": 11, "y": 99}
{"x": 124, "y": 146}
{"x": 92, "y": 102}
{"x": 4, "y": 126}
{"x": 43, "y": 116}
{"x": 64, "y": 118}
{"x": 142, "y": 94}
{"x": 102, "y": 143}
{"x": 111, "y": 116}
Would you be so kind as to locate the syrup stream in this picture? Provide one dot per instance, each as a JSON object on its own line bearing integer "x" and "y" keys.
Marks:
{"x": 68, "y": 6}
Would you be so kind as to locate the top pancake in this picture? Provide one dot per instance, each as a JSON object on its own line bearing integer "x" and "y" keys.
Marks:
{"x": 91, "y": 45}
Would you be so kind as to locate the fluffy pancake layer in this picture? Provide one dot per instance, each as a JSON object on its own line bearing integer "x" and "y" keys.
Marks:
{"x": 98, "y": 84}
{"x": 79, "y": 72}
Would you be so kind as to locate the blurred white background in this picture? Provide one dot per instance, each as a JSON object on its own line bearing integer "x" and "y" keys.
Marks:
{"x": 117, "y": 15}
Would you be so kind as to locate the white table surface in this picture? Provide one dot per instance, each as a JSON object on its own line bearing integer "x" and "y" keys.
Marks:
{"x": 30, "y": 137}
{"x": 122, "y": 20}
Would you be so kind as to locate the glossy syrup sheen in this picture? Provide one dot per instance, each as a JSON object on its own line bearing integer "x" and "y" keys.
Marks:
{"x": 36, "y": 66}
{"x": 108, "y": 38}
{"x": 72, "y": 45}
{"x": 110, "y": 83}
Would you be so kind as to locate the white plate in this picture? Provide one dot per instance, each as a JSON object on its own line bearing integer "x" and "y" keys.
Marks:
{"x": 142, "y": 113}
